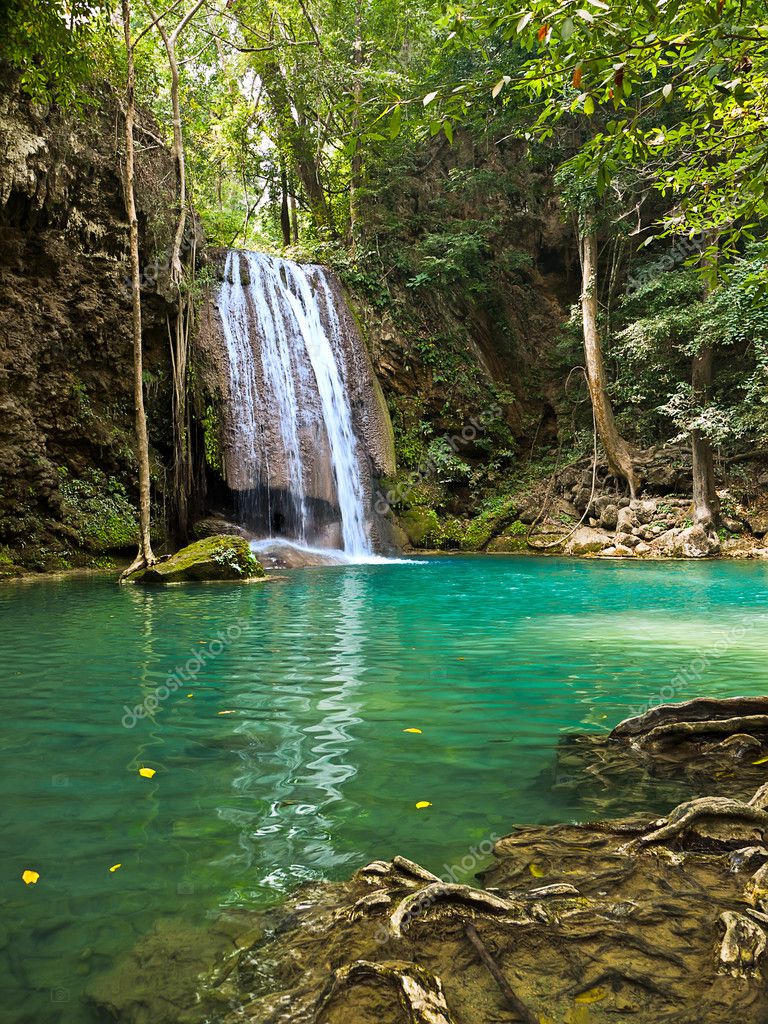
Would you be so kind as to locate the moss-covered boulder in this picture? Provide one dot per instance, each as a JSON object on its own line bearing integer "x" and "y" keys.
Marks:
{"x": 421, "y": 526}
{"x": 213, "y": 559}
{"x": 496, "y": 514}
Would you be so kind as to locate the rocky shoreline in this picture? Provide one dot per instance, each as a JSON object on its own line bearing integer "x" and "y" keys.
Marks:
{"x": 653, "y": 919}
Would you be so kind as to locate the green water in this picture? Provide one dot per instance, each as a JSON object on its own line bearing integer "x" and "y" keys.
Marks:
{"x": 312, "y": 774}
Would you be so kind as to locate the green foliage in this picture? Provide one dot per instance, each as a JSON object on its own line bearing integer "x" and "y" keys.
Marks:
{"x": 53, "y": 46}
{"x": 98, "y": 511}
{"x": 494, "y": 516}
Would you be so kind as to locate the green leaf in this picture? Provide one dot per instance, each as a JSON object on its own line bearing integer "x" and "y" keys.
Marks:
{"x": 448, "y": 131}
{"x": 567, "y": 29}
{"x": 395, "y": 122}
{"x": 589, "y": 106}
{"x": 525, "y": 20}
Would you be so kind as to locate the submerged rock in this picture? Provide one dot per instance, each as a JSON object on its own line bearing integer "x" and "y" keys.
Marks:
{"x": 214, "y": 559}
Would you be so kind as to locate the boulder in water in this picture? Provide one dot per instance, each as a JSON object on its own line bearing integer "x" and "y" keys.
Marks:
{"x": 214, "y": 559}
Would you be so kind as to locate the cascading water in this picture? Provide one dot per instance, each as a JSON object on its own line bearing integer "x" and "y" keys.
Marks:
{"x": 292, "y": 450}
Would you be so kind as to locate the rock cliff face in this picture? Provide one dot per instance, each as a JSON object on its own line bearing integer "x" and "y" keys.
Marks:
{"x": 66, "y": 428}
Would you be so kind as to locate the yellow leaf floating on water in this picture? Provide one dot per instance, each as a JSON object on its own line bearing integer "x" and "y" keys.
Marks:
{"x": 115, "y": 867}
{"x": 147, "y": 772}
{"x": 412, "y": 730}
{"x": 225, "y": 712}
{"x": 30, "y": 877}
{"x": 190, "y": 695}
{"x": 761, "y": 761}
{"x": 536, "y": 870}
{"x": 592, "y": 995}
{"x": 423, "y": 803}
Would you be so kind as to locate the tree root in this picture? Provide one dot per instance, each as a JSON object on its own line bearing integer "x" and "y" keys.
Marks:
{"x": 494, "y": 970}
{"x": 420, "y": 992}
{"x": 677, "y": 732}
{"x": 139, "y": 562}
{"x": 685, "y": 814}
{"x": 743, "y": 945}
{"x": 698, "y": 710}
{"x": 458, "y": 897}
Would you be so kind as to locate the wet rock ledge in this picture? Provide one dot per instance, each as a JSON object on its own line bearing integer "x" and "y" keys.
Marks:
{"x": 645, "y": 918}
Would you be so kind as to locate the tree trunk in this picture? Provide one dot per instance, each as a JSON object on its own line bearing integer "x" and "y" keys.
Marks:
{"x": 706, "y": 504}
{"x": 617, "y": 450}
{"x": 144, "y": 555}
{"x": 285, "y": 212}
{"x": 169, "y": 41}
{"x": 294, "y": 216}
{"x": 299, "y": 145}
{"x": 356, "y": 163}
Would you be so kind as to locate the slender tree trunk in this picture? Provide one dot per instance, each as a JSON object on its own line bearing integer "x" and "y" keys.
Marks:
{"x": 169, "y": 41}
{"x": 617, "y": 450}
{"x": 294, "y": 217}
{"x": 144, "y": 555}
{"x": 300, "y": 147}
{"x": 285, "y": 211}
{"x": 356, "y": 164}
{"x": 182, "y": 470}
{"x": 706, "y": 504}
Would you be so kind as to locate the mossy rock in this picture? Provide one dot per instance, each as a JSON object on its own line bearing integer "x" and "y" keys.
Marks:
{"x": 214, "y": 559}
{"x": 513, "y": 538}
{"x": 421, "y": 526}
{"x": 489, "y": 523}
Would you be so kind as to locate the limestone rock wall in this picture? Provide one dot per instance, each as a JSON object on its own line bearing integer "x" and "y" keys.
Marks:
{"x": 66, "y": 413}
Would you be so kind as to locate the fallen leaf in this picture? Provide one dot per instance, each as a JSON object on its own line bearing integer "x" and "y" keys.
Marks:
{"x": 225, "y": 712}
{"x": 423, "y": 803}
{"x": 536, "y": 870}
{"x": 761, "y": 761}
{"x": 115, "y": 867}
{"x": 30, "y": 877}
{"x": 412, "y": 730}
{"x": 147, "y": 772}
{"x": 592, "y": 995}
{"x": 190, "y": 695}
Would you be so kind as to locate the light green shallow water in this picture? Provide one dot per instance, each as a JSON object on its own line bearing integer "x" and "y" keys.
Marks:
{"x": 312, "y": 774}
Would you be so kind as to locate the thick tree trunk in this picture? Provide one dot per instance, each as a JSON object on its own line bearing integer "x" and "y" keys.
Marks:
{"x": 706, "y": 504}
{"x": 617, "y": 450}
{"x": 144, "y": 555}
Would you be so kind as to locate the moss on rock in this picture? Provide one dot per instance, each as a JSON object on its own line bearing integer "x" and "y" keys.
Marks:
{"x": 489, "y": 523}
{"x": 213, "y": 559}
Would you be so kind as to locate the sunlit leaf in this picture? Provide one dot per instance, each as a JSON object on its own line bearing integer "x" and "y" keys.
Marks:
{"x": 428, "y": 98}
{"x": 592, "y": 995}
{"x": 30, "y": 877}
{"x": 419, "y": 730}
{"x": 147, "y": 773}
{"x": 422, "y": 804}
{"x": 115, "y": 867}
{"x": 536, "y": 870}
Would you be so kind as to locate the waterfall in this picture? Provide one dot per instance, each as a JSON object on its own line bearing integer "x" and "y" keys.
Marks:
{"x": 293, "y": 455}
